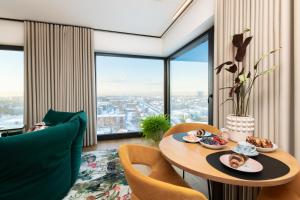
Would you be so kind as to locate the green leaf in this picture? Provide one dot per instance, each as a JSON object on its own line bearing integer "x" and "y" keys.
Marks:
{"x": 264, "y": 56}
{"x": 267, "y": 71}
{"x": 243, "y": 78}
{"x": 246, "y": 30}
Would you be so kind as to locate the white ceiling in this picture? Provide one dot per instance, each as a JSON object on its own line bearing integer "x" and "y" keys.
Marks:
{"x": 147, "y": 17}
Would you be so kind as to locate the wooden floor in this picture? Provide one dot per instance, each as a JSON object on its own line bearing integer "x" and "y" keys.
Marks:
{"x": 195, "y": 182}
{"x": 115, "y": 144}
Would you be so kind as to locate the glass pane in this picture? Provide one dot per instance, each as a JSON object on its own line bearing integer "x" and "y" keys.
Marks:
{"x": 11, "y": 89}
{"x": 189, "y": 85}
{"x": 128, "y": 89}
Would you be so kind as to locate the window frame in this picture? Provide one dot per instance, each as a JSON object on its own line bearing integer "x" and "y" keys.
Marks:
{"x": 209, "y": 34}
{"x": 13, "y": 48}
{"x": 166, "y": 85}
{"x": 129, "y": 134}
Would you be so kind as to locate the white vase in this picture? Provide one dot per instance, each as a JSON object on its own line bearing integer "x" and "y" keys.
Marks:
{"x": 239, "y": 127}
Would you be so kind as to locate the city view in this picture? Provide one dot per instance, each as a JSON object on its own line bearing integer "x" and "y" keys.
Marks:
{"x": 122, "y": 114}
{"x": 128, "y": 90}
{"x": 11, "y": 89}
{"x": 11, "y": 112}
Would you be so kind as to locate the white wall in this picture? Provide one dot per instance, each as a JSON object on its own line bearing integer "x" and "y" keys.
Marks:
{"x": 197, "y": 19}
{"x": 127, "y": 44}
{"x": 11, "y": 33}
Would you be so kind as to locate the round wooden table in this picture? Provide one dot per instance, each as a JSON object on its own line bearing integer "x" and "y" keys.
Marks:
{"x": 192, "y": 158}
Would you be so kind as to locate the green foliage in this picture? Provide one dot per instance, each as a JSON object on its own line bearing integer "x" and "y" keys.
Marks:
{"x": 154, "y": 126}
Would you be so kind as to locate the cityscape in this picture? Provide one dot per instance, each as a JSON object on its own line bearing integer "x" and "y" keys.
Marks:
{"x": 11, "y": 112}
{"x": 123, "y": 114}
{"x": 120, "y": 114}
{"x": 128, "y": 89}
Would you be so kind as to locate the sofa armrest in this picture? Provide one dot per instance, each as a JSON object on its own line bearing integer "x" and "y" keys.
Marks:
{"x": 11, "y": 132}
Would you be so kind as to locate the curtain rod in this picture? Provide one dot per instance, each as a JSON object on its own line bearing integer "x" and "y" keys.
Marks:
{"x": 103, "y": 30}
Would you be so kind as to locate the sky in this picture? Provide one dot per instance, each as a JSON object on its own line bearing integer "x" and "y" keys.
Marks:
{"x": 188, "y": 78}
{"x": 129, "y": 76}
{"x": 123, "y": 76}
{"x": 119, "y": 76}
{"x": 11, "y": 73}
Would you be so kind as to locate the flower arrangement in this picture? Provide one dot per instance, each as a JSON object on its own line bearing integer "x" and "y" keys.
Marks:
{"x": 243, "y": 81}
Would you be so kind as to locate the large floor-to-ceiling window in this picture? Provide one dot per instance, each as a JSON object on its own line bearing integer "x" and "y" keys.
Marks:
{"x": 128, "y": 89}
{"x": 11, "y": 87}
{"x": 191, "y": 82}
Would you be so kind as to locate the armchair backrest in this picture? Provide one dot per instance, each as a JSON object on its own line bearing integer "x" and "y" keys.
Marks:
{"x": 145, "y": 187}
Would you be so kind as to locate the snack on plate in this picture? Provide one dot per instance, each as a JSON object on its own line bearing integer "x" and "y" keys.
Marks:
{"x": 237, "y": 160}
{"x": 215, "y": 140}
{"x": 259, "y": 142}
{"x": 200, "y": 132}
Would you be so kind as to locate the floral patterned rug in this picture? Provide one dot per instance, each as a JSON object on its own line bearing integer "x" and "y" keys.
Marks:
{"x": 101, "y": 177}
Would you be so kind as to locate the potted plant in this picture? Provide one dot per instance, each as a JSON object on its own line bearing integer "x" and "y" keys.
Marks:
{"x": 240, "y": 124}
{"x": 153, "y": 127}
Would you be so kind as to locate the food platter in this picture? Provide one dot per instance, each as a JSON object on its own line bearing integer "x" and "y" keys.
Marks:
{"x": 262, "y": 144}
{"x": 216, "y": 147}
{"x": 250, "y": 166}
{"x": 267, "y": 150}
{"x": 213, "y": 142}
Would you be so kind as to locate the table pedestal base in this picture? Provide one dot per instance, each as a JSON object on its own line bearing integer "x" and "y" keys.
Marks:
{"x": 220, "y": 191}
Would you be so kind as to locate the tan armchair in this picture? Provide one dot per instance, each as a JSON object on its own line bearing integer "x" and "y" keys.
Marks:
{"x": 162, "y": 183}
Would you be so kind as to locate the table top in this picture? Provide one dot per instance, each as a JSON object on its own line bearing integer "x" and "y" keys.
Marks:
{"x": 192, "y": 158}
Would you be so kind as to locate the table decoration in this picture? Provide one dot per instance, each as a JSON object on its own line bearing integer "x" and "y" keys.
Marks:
{"x": 240, "y": 123}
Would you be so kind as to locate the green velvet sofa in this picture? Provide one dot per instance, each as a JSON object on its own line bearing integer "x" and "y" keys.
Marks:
{"x": 43, "y": 165}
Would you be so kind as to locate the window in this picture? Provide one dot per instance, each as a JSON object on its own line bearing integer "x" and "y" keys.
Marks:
{"x": 190, "y": 83}
{"x": 11, "y": 88}
{"x": 128, "y": 89}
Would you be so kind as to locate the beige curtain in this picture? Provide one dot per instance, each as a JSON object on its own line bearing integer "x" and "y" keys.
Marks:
{"x": 59, "y": 73}
{"x": 274, "y": 24}
{"x": 296, "y": 90}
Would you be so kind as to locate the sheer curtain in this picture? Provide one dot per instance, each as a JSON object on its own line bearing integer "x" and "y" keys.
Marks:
{"x": 275, "y": 99}
{"x": 59, "y": 73}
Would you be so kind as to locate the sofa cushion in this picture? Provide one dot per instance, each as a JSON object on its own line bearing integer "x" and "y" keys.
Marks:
{"x": 37, "y": 165}
{"x": 77, "y": 144}
{"x": 53, "y": 117}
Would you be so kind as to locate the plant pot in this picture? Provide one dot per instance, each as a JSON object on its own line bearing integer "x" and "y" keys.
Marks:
{"x": 239, "y": 127}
